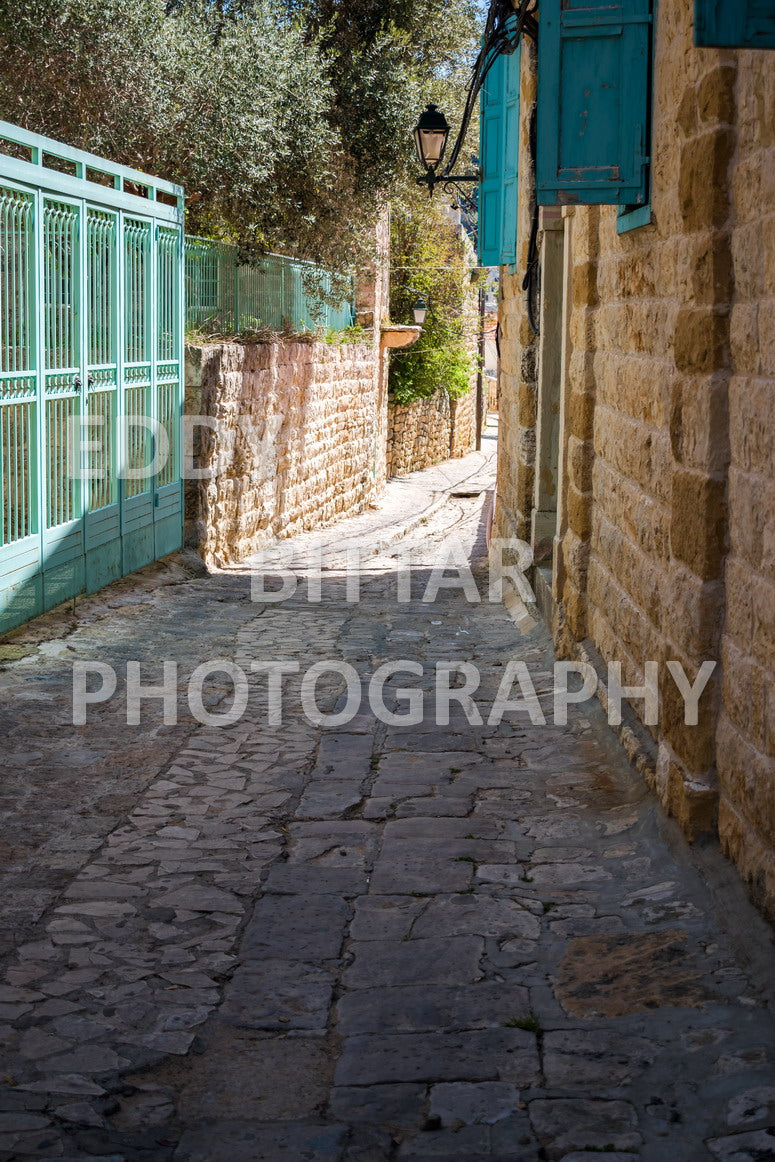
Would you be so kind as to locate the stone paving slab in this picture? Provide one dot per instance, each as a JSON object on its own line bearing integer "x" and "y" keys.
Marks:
{"x": 306, "y": 927}
{"x": 485, "y": 1005}
{"x": 279, "y": 996}
{"x": 477, "y": 1055}
{"x": 435, "y": 961}
{"x": 254, "y": 1142}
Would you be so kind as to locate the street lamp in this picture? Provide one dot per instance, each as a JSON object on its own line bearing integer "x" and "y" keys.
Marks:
{"x": 430, "y": 138}
{"x": 430, "y": 141}
{"x": 421, "y": 304}
{"x": 420, "y": 310}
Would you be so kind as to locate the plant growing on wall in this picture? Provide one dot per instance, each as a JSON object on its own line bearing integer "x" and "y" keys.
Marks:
{"x": 432, "y": 258}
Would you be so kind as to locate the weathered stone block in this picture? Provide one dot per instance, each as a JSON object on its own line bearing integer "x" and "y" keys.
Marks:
{"x": 565, "y": 1124}
{"x": 581, "y": 414}
{"x": 701, "y": 340}
{"x": 508, "y": 1055}
{"x": 579, "y": 509}
{"x": 747, "y": 780}
{"x": 580, "y": 462}
{"x": 754, "y": 858}
{"x": 694, "y": 745}
{"x": 745, "y": 684}
{"x": 585, "y": 285}
{"x": 702, "y": 181}
{"x": 716, "y": 95}
{"x": 698, "y": 529}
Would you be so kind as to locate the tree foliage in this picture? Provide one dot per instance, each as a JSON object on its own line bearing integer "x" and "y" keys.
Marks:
{"x": 387, "y": 59}
{"x": 287, "y": 122}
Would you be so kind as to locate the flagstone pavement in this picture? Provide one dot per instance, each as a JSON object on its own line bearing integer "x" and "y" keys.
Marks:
{"x": 367, "y": 941}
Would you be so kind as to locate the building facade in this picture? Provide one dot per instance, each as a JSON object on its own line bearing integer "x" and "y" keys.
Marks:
{"x": 636, "y": 425}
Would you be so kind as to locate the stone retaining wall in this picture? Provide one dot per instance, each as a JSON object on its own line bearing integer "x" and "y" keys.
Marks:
{"x": 428, "y": 431}
{"x": 299, "y": 427}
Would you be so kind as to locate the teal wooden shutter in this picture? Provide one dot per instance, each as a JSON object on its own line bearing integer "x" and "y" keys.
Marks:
{"x": 510, "y": 183}
{"x": 734, "y": 23}
{"x": 491, "y": 138}
{"x": 594, "y": 70}
{"x": 498, "y": 156}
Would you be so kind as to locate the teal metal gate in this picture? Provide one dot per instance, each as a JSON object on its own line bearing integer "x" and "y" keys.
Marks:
{"x": 91, "y": 372}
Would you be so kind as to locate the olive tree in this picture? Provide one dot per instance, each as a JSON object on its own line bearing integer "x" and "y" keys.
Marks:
{"x": 288, "y": 122}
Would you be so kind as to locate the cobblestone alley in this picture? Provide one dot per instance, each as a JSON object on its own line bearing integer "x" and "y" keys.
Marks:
{"x": 360, "y": 943}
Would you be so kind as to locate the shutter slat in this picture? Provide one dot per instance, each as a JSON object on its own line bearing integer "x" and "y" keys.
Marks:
{"x": 510, "y": 183}
{"x": 499, "y": 159}
{"x": 734, "y": 23}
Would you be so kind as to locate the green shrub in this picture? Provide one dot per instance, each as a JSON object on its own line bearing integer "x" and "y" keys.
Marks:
{"x": 353, "y": 334}
{"x": 431, "y": 259}
{"x": 434, "y": 363}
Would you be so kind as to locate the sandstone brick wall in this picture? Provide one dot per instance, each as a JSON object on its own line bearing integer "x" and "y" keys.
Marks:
{"x": 518, "y": 349}
{"x": 491, "y": 387}
{"x": 463, "y": 413}
{"x": 643, "y": 535}
{"x": 664, "y": 546}
{"x": 297, "y": 441}
{"x": 745, "y": 748}
{"x": 428, "y": 431}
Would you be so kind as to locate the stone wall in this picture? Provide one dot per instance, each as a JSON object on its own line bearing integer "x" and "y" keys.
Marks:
{"x": 463, "y": 422}
{"x": 666, "y": 477}
{"x": 372, "y": 311}
{"x": 295, "y": 447}
{"x": 428, "y": 431}
{"x": 745, "y": 741}
{"x": 518, "y": 348}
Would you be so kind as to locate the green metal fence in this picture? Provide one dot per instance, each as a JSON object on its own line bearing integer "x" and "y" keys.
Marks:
{"x": 275, "y": 293}
{"x": 91, "y": 387}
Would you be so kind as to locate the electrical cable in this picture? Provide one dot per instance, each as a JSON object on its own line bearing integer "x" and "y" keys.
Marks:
{"x": 502, "y": 33}
{"x": 531, "y": 283}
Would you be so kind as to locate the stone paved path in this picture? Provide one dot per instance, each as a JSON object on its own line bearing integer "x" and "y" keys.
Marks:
{"x": 370, "y": 942}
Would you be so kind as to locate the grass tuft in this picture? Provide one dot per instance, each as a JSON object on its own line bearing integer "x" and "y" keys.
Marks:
{"x": 530, "y": 1024}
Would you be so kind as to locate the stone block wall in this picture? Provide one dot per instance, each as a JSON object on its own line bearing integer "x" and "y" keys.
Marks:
{"x": 296, "y": 446}
{"x": 646, "y": 448}
{"x": 664, "y": 545}
{"x": 491, "y": 387}
{"x": 463, "y": 422}
{"x": 516, "y": 393}
{"x": 428, "y": 431}
{"x": 745, "y": 740}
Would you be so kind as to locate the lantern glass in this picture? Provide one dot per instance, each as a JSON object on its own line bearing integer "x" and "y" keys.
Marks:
{"x": 430, "y": 137}
{"x": 420, "y": 310}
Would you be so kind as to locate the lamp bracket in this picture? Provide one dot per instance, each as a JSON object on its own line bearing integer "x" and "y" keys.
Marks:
{"x": 445, "y": 180}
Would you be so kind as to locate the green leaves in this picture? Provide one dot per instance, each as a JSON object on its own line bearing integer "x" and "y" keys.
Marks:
{"x": 430, "y": 258}
{"x": 287, "y": 121}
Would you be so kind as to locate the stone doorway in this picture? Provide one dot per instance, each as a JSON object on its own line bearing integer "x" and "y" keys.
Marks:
{"x": 550, "y": 362}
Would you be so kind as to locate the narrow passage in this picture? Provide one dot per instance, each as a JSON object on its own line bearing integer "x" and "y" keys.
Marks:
{"x": 373, "y": 941}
